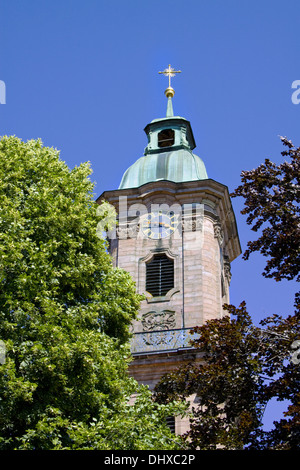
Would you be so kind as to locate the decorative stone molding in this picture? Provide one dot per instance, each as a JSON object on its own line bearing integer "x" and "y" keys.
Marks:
{"x": 192, "y": 223}
{"x": 208, "y": 192}
{"x": 163, "y": 320}
{"x": 133, "y": 229}
{"x": 142, "y": 275}
{"x": 164, "y": 340}
{"x": 227, "y": 270}
{"x": 122, "y": 231}
{"x": 218, "y": 232}
{"x": 129, "y": 230}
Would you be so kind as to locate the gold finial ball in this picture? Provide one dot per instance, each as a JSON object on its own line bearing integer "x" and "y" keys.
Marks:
{"x": 169, "y": 92}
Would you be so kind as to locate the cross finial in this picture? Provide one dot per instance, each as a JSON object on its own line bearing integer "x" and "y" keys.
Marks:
{"x": 170, "y": 72}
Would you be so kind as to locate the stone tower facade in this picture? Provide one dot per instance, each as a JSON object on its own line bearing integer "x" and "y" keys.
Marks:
{"x": 176, "y": 236}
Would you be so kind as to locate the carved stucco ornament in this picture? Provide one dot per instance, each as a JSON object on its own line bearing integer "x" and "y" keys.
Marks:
{"x": 163, "y": 320}
{"x": 192, "y": 223}
{"x": 218, "y": 232}
{"x": 129, "y": 230}
{"x": 227, "y": 270}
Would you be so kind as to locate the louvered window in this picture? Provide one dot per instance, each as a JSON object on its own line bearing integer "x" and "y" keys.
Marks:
{"x": 159, "y": 275}
{"x": 170, "y": 421}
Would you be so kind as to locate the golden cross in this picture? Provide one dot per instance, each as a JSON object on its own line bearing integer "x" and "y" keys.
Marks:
{"x": 170, "y": 73}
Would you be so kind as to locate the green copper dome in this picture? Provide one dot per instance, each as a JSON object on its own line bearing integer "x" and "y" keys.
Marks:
{"x": 178, "y": 166}
{"x": 168, "y": 155}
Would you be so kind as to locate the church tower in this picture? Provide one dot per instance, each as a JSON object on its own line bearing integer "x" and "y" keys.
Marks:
{"x": 176, "y": 236}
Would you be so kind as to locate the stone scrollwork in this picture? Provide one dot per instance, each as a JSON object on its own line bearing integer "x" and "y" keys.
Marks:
{"x": 163, "y": 320}
{"x": 165, "y": 340}
{"x": 128, "y": 230}
{"x": 192, "y": 224}
{"x": 122, "y": 231}
{"x": 132, "y": 230}
{"x": 188, "y": 224}
{"x": 218, "y": 232}
{"x": 227, "y": 270}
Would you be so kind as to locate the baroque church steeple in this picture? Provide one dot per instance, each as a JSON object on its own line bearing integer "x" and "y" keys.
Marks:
{"x": 169, "y": 153}
{"x": 177, "y": 237}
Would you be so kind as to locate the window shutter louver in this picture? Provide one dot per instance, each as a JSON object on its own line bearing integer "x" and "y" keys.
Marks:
{"x": 159, "y": 275}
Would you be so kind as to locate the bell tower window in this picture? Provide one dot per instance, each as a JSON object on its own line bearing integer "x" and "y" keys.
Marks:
{"x": 166, "y": 138}
{"x": 159, "y": 275}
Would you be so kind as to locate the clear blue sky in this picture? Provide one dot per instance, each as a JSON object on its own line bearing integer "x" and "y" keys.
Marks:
{"x": 83, "y": 77}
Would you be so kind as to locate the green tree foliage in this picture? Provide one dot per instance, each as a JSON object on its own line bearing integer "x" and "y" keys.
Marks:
{"x": 65, "y": 315}
{"x": 243, "y": 366}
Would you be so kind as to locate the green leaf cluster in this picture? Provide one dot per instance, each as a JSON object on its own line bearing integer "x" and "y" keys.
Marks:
{"x": 65, "y": 314}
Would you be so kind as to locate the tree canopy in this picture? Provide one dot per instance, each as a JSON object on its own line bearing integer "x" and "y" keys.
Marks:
{"x": 271, "y": 199}
{"x": 65, "y": 315}
{"x": 244, "y": 366}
